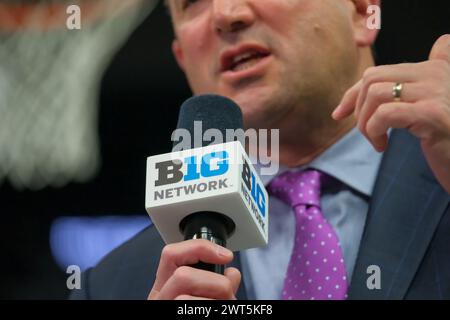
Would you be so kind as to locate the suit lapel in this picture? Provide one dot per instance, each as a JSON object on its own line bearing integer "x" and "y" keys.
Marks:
{"x": 406, "y": 207}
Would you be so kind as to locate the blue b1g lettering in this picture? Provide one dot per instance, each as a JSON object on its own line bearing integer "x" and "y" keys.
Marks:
{"x": 255, "y": 189}
{"x": 170, "y": 172}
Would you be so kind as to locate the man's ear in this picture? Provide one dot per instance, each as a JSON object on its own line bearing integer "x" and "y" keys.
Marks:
{"x": 178, "y": 53}
{"x": 366, "y": 21}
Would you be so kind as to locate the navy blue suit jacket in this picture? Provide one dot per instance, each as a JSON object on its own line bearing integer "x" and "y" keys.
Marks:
{"x": 407, "y": 235}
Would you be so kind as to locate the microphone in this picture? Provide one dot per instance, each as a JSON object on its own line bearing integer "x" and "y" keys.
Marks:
{"x": 208, "y": 189}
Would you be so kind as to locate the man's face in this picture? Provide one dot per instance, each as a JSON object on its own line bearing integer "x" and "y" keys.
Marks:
{"x": 269, "y": 56}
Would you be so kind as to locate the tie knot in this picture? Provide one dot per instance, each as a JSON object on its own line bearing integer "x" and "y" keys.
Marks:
{"x": 298, "y": 188}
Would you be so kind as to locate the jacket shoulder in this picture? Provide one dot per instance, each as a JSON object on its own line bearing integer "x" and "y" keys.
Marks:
{"x": 128, "y": 272}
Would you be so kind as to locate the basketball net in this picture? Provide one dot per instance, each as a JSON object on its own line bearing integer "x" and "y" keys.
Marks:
{"x": 49, "y": 86}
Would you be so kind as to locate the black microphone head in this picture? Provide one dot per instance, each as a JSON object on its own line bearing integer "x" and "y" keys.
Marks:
{"x": 214, "y": 112}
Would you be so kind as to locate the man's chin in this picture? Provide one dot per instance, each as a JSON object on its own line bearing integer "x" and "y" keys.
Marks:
{"x": 255, "y": 116}
{"x": 255, "y": 108}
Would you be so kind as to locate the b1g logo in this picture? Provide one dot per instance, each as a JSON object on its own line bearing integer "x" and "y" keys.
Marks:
{"x": 211, "y": 165}
{"x": 255, "y": 189}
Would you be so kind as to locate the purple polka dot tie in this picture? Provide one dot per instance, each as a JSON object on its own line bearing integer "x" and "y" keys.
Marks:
{"x": 316, "y": 269}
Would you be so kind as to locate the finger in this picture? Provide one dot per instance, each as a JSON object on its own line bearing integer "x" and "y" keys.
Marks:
{"x": 198, "y": 283}
{"x": 348, "y": 103}
{"x": 399, "y": 115}
{"x": 234, "y": 275}
{"x": 399, "y": 73}
{"x": 381, "y": 93}
{"x": 378, "y": 94}
{"x": 188, "y": 297}
{"x": 441, "y": 49}
{"x": 188, "y": 253}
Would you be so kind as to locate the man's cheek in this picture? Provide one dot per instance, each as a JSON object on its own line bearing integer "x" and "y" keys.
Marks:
{"x": 201, "y": 81}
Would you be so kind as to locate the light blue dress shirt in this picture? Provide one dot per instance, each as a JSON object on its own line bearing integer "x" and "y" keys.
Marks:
{"x": 354, "y": 164}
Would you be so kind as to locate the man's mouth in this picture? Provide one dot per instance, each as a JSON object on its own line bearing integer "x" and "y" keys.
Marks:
{"x": 242, "y": 58}
{"x": 246, "y": 61}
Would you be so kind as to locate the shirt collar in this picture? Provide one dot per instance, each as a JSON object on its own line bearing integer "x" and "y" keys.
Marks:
{"x": 352, "y": 160}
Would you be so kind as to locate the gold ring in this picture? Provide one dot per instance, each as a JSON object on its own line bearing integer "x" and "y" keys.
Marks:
{"x": 397, "y": 91}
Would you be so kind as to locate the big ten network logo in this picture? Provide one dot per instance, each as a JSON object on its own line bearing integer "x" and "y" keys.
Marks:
{"x": 190, "y": 173}
{"x": 73, "y": 21}
{"x": 256, "y": 192}
{"x": 262, "y": 145}
{"x": 374, "y": 20}
{"x": 213, "y": 164}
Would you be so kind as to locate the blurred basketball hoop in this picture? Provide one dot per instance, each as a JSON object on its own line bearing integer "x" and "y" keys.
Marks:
{"x": 49, "y": 85}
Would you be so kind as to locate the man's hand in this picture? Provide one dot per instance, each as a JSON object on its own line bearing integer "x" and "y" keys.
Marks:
{"x": 176, "y": 280}
{"x": 424, "y": 108}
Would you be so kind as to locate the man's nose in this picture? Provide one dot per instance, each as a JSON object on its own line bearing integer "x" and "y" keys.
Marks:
{"x": 232, "y": 15}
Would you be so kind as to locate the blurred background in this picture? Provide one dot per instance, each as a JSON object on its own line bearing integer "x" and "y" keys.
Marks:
{"x": 80, "y": 110}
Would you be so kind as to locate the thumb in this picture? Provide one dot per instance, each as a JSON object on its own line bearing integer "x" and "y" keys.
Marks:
{"x": 441, "y": 49}
{"x": 234, "y": 275}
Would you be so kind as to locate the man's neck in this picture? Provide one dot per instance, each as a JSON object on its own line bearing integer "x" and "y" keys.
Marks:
{"x": 303, "y": 141}
{"x": 300, "y": 148}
